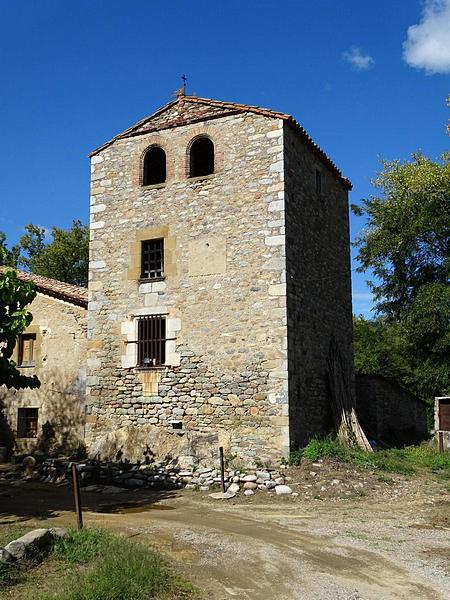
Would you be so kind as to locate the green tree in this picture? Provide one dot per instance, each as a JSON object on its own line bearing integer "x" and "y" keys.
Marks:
{"x": 65, "y": 258}
{"x": 381, "y": 348}
{"x": 406, "y": 243}
{"x": 8, "y": 257}
{"x": 15, "y": 296}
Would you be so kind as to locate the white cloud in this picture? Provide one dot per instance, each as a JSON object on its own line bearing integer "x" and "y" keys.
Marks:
{"x": 428, "y": 43}
{"x": 358, "y": 60}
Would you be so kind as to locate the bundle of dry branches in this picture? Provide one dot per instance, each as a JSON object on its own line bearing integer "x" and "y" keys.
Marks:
{"x": 348, "y": 428}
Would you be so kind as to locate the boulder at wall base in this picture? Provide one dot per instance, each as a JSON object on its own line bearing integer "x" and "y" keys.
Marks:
{"x": 132, "y": 443}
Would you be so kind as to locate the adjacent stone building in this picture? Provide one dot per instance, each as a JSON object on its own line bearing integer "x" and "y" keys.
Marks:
{"x": 54, "y": 348}
{"x": 219, "y": 272}
{"x": 390, "y": 414}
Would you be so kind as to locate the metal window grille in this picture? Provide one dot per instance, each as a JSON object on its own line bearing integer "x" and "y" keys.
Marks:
{"x": 152, "y": 259}
{"x": 27, "y": 422}
{"x": 151, "y": 341}
{"x": 26, "y": 350}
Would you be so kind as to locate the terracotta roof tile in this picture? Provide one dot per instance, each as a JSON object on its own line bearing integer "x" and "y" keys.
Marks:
{"x": 233, "y": 107}
{"x": 57, "y": 289}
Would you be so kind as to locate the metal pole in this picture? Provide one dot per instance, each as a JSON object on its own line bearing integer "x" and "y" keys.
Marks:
{"x": 77, "y": 496}
{"x": 222, "y": 469}
{"x": 441, "y": 442}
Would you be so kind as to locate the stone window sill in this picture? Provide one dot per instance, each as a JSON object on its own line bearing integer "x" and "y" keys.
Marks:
{"x": 153, "y": 186}
{"x": 152, "y": 368}
{"x": 200, "y": 178}
{"x": 152, "y": 279}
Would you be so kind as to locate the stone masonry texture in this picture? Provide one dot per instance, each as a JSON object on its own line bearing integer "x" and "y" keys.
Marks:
{"x": 257, "y": 281}
{"x": 60, "y": 364}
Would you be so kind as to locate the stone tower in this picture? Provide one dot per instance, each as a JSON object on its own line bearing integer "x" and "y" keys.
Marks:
{"x": 219, "y": 273}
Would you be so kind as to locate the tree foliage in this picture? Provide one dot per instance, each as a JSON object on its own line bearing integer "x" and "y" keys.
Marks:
{"x": 406, "y": 245}
{"x": 65, "y": 258}
{"x": 15, "y": 296}
{"x": 9, "y": 258}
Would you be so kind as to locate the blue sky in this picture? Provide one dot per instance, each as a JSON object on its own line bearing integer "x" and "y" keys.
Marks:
{"x": 73, "y": 74}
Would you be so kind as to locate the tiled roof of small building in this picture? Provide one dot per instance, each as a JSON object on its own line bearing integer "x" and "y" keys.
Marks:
{"x": 145, "y": 125}
{"x": 57, "y": 289}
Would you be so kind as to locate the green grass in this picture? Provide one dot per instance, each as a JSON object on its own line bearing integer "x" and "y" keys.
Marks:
{"x": 94, "y": 564}
{"x": 82, "y": 546}
{"x": 406, "y": 461}
{"x": 114, "y": 568}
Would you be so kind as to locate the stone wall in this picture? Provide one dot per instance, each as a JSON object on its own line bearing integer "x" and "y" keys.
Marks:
{"x": 390, "y": 413}
{"x": 223, "y": 296}
{"x": 60, "y": 352}
{"x": 318, "y": 286}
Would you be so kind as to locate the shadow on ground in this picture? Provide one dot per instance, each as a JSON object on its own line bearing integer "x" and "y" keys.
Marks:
{"x": 21, "y": 499}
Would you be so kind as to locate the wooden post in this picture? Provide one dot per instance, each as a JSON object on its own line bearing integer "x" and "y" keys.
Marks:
{"x": 222, "y": 469}
{"x": 441, "y": 441}
{"x": 77, "y": 496}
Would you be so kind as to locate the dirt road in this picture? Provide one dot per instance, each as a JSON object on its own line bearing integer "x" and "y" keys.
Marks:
{"x": 261, "y": 548}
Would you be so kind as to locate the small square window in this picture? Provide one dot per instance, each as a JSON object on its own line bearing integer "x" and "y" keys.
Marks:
{"x": 151, "y": 341}
{"x": 27, "y": 349}
{"x": 152, "y": 259}
{"x": 27, "y": 422}
{"x": 318, "y": 181}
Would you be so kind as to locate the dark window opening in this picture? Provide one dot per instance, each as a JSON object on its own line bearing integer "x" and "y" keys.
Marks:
{"x": 444, "y": 414}
{"x": 151, "y": 341}
{"x": 177, "y": 425}
{"x": 27, "y": 349}
{"x": 201, "y": 158}
{"x": 152, "y": 259}
{"x": 154, "y": 166}
{"x": 318, "y": 182}
{"x": 27, "y": 422}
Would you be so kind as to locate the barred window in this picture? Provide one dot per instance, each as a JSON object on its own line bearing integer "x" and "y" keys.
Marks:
{"x": 27, "y": 422}
{"x": 27, "y": 349}
{"x": 151, "y": 341}
{"x": 152, "y": 262}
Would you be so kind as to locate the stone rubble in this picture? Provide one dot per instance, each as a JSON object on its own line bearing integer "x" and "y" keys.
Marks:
{"x": 113, "y": 477}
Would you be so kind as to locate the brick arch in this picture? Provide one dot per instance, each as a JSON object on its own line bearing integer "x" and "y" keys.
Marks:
{"x": 192, "y": 136}
{"x": 142, "y": 159}
{"x": 142, "y": 148}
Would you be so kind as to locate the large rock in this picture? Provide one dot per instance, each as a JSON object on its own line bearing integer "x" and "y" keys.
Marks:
{"x": 222, "y": 495}
{"x": 16, "y": 549}
{"x": 36, "y": 539}
{"x": 5, "y": 556}
{"x": 250, "y": 485}
{"x": 233, "y": 488}
{"x": 283, "y": 490}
